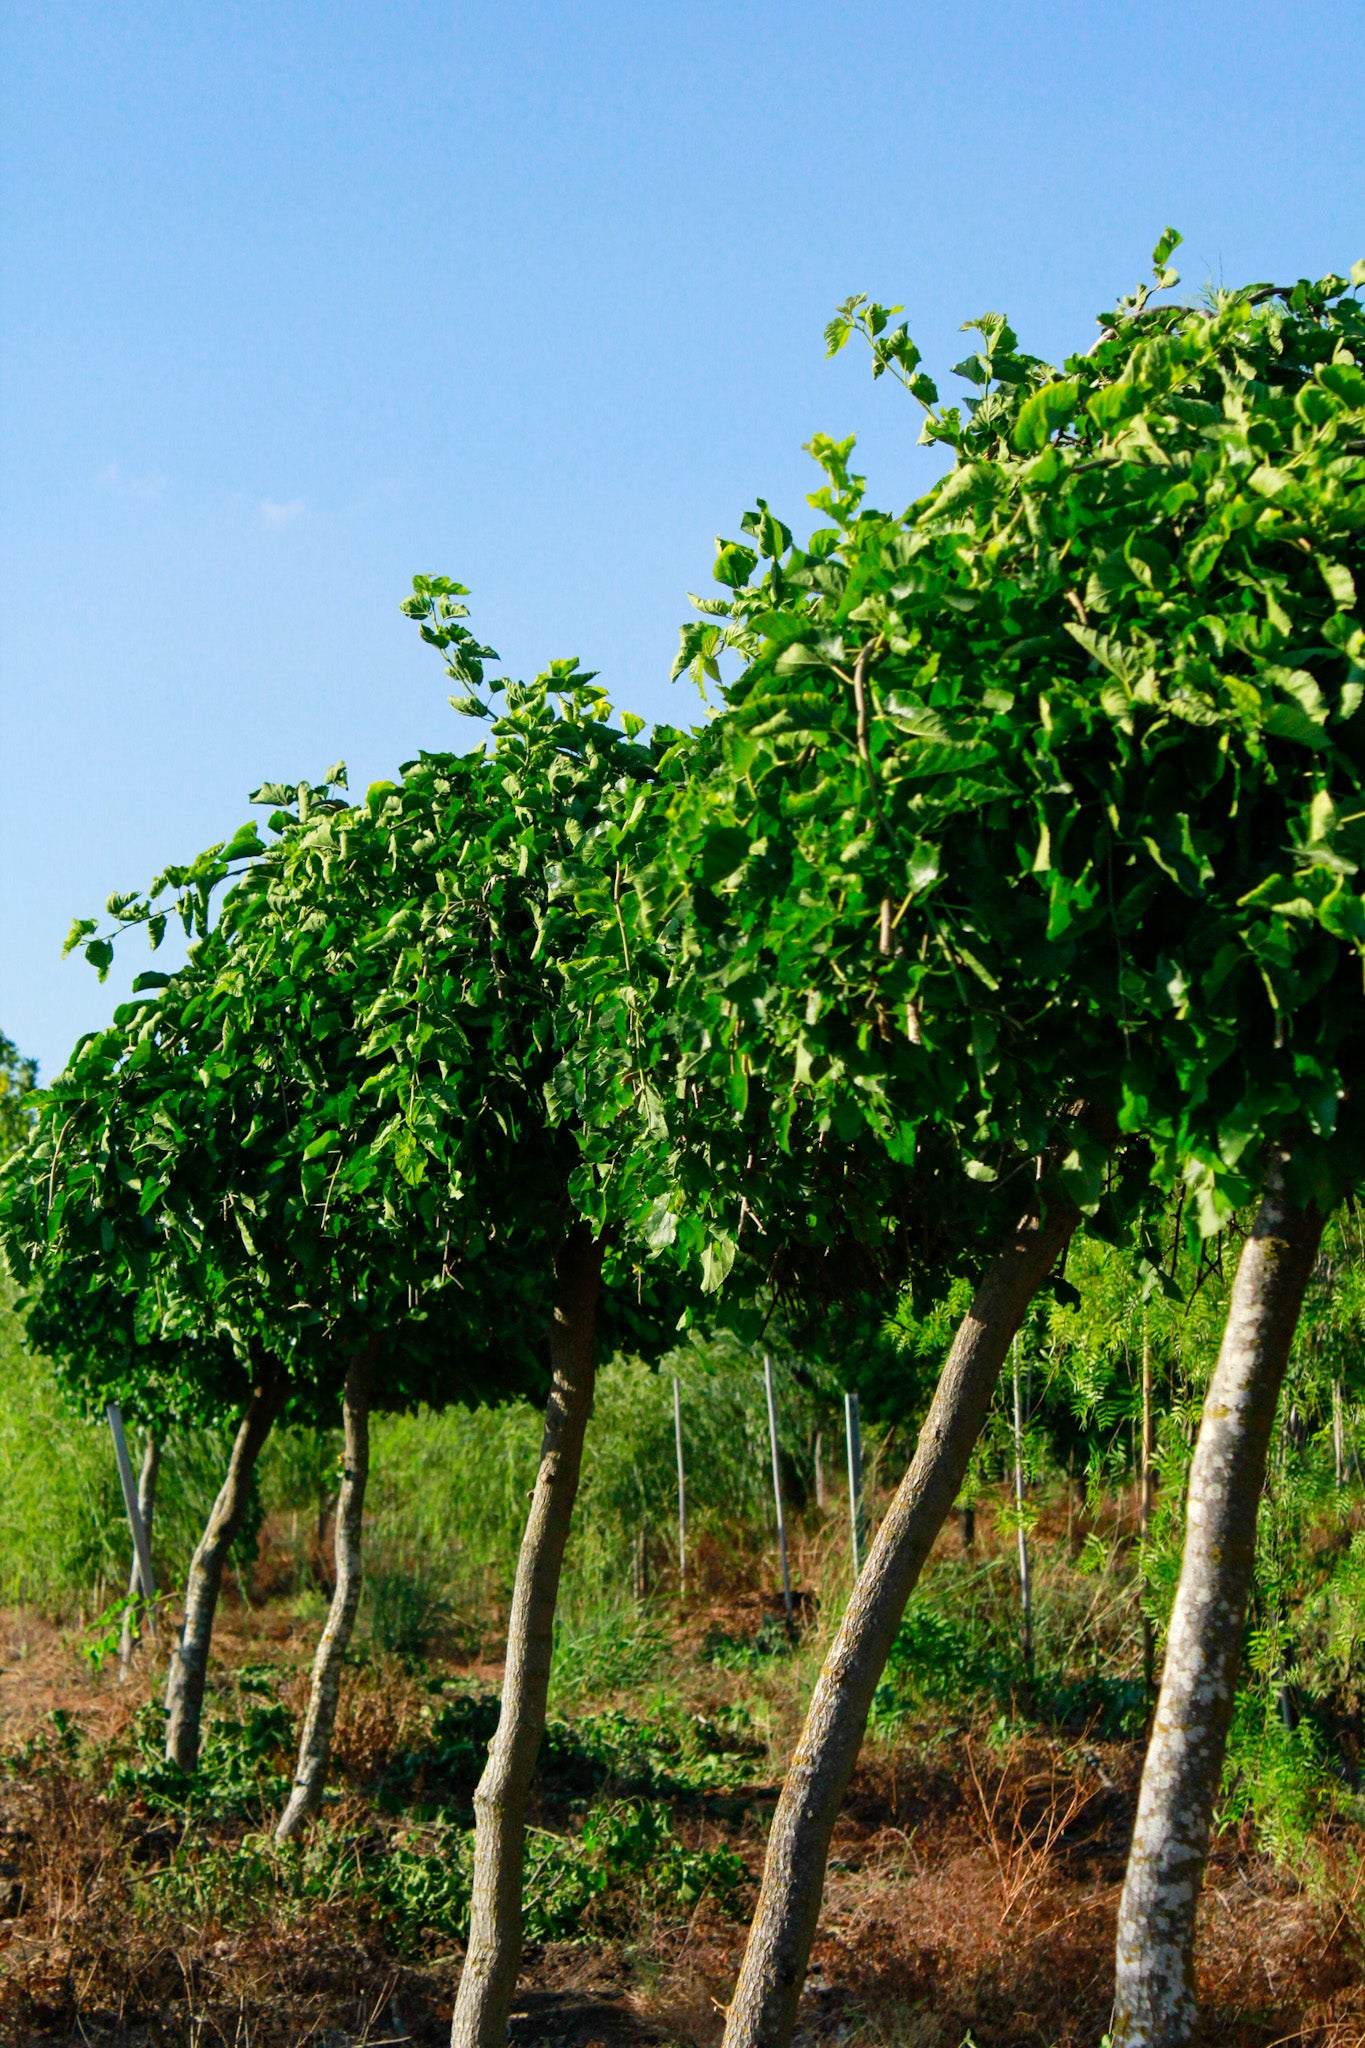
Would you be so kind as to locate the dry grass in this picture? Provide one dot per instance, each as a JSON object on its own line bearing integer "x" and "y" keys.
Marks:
{"x": 973, "y": 1887}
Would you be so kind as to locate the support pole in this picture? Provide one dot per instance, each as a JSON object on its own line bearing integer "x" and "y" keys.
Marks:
{"x": 1025, "y": 1581}
{"x": 129, "y": 1485}
{"x": 777, "y": 1487}
{"x": 1146, "y": 1498}
{"x": 854, "y": 1433}
{"x": 146, "y": 1507}
{"x": 682, "y": 1491}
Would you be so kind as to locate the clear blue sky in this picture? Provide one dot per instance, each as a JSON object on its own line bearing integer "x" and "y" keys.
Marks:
{"x": 298, "y": 299}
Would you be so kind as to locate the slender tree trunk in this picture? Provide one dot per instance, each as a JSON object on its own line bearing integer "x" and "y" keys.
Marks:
{"x": 494, "y": 1954}
{"x": 820, "y": 1501}
{"x": 319, "y": 1725}
{"x": 1154, "y": 1999}
{"x": 762, "y": 2013}
{"x": 1338, "y": 1438}
{"x": 146, "y": 1507}
{"x": 189, "y": 1659}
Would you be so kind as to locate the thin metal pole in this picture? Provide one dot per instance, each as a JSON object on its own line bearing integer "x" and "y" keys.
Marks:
{"x": 682, "y": 1491}
{"x": 1146, "y": 1498}
{"x": 777, "y": 1487}
{"x": 853, "y": 1432}
{"x": 146, "y": 1505}
{"x": 129, "y": 1485}
{"x": 1025, "y": 1586}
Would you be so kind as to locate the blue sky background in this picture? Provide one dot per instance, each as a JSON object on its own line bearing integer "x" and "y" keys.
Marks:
{"x": 298, "y": 299}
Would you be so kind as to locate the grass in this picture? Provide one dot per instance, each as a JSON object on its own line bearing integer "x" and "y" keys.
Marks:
{"x": 973, "y": 1877}
{"x": 975, "y": 1871}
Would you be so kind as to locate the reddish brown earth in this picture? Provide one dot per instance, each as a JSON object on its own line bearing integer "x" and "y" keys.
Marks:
{"x": 972, "y": 1891}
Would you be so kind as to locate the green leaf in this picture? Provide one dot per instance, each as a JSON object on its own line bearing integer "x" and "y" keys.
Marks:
{"x": 734, "y": 565}
{"x": 1343, "y": 914}
{"x": 1114, "y": 403}
{"x": 724, "y": 850}
{"x": 1041, "y": 416}
{"x": 716, "y": 1263}
{"x": 1344, "y": 381}
{"x": 1169, "y": 242}
{"x": 1339, "y": 581}
{"x": 922, "y": 867}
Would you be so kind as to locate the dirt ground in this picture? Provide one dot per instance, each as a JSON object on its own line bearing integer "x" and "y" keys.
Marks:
{"x": 971, "y": 1896}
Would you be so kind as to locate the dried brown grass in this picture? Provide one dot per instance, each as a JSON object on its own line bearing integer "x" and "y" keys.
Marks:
{"x": 972, "y": 1888}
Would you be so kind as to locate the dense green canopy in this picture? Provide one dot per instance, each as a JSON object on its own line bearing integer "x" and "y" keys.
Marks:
{"x": 1048, "y": 789}
{"x": 330, "y": 1125}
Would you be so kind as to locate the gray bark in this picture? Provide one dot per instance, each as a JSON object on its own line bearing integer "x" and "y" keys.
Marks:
{"x": 146, "y": 1507}
{"x": 762, "y": 2013}
{"x": 189, "y": 1659}
{"x": 324, "y": 1693}
{"x": 1154, "y": 1992}
{"x": 494, "y": 1954}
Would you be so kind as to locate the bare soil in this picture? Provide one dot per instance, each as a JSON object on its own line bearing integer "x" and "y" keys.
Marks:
{"x": 972, "y": 1893}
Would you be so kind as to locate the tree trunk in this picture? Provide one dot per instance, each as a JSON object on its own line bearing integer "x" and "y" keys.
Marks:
{"x": 494, "y": 1954}
{"x": 146, "y": 1507}
{"x": 189, "y": 1659}
{"x": 763, "y": 2011}
{"x": 1154, "y": 1993}
{"x": 319, "y": 1725}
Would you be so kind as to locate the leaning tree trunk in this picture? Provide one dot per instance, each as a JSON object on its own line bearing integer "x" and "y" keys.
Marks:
{"x": 762, "y": 2013}
{"x": 315, "y": 1744}
{"x": 146, "y": 1507}
{"x": 1154, "y": 1992}
{"x": 189, "y": 1659}
{"x": 494, "y": 1954}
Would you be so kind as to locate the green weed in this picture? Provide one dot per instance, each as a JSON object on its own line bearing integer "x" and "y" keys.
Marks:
{"x": 664, "y": 1751}
{"x": 626, "y": 1863}
{"x": 245, "y": 1764}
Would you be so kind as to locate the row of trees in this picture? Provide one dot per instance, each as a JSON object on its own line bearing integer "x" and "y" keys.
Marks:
{"x": 1012, "y": 887}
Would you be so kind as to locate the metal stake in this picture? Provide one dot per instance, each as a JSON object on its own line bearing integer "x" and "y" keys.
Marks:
{"x": 777, "y": 1487}
{"x": 682, "y": 1492}
{"x": 1025, "y": 1578}
{"x": 854, "y": 1434}
{"x": 134, "y": 1513}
